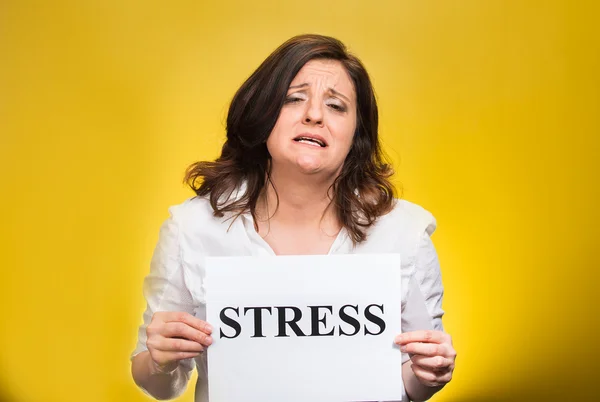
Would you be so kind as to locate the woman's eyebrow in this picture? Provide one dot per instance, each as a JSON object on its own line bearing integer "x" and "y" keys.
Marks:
{"x": 298, "y": 86}
{"x": 333, "y": 91}
{"x": 341, "y": 95}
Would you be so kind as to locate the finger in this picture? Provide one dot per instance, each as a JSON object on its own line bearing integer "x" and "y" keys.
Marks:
{"x": 424, "y": 349}
{"x": 182, "y": 316}
{"x": 182, "y": 330}
{"x": 426, "y": 377}
{"x": 429, "y": 378}
{"x": 164, "y": 358}
{"x": 426, "y": 336}
{"x": 438, "y": 364}
{"x": 179, "y": 345}
{"x": 159, "y": 343}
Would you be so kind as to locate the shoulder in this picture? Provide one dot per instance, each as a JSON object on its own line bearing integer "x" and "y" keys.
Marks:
{"x": 408, "y": 218}
{"x": 200, "y": 233}
{"x": 192, "y": 206}
{"x": 194, "y": 212}
{"x": 400, "y": 230}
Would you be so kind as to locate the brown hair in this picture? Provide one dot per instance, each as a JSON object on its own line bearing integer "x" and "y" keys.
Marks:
{"x": 361, "y": 193}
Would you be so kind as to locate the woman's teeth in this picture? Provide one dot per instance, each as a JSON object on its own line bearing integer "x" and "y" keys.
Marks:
{"x": 310, "y": 141}
{"x": 314, "y": 144}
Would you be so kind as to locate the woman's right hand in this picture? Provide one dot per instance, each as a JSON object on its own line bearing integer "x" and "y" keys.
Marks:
{"x": 174, "y": 336}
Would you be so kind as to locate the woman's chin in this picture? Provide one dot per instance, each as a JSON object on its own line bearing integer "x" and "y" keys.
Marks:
{"x": 309, "y": 164}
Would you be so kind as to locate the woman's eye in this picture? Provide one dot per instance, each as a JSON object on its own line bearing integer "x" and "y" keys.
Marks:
{"x": 292, "y": 99}
{"x": 337, "y": 107}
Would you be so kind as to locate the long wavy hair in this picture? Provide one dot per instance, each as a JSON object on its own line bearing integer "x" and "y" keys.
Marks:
{"x": 360, "y": 194}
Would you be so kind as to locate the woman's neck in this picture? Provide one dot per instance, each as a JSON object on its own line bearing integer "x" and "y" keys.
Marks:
{"x": 298, "y": 200}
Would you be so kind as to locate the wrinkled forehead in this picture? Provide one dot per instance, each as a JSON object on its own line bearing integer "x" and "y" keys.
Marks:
{"x": 322, "y": 74}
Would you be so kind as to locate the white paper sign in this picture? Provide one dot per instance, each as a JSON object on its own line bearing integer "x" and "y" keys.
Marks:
{"x": 304, "y": 328}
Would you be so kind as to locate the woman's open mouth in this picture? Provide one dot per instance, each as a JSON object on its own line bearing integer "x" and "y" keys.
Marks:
{"x": 315, "y": 142}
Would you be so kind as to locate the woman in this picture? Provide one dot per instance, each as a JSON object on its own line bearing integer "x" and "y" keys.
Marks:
{"x": 301, "y": 172}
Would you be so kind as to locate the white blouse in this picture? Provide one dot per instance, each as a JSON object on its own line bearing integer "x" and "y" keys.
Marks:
{"x": 191, "y": 233}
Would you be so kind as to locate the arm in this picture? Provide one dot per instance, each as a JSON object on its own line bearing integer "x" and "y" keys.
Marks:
{"x": 431, "y": 364}
{"x": 160, "y": 385}
{"x": 415, "y": 390}
{"x": 170, "y": 336}
{"x": 428, "y": 354}
{"x": 173, "y": 337}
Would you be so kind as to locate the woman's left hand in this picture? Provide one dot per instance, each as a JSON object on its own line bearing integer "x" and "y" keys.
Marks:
{"x": 432, "y": 355}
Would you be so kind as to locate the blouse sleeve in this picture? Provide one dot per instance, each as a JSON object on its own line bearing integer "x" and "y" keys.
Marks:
{"x": 423, "y": 308}
{"x": 164, "y": 287}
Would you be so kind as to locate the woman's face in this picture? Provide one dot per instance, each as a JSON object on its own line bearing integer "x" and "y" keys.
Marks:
{"x": 315, "y": 128}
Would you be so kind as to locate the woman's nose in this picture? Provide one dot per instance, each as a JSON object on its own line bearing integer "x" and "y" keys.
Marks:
{"x": 314, "y": 113}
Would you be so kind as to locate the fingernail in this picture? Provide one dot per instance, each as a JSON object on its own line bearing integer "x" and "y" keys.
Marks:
{"x": 209, "y": 340}
{"x": 403, "y": 348}
{"x": 209, "y": 327}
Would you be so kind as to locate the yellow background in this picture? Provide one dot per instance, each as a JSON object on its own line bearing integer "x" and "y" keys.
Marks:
{"x": 489, "y": 109}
